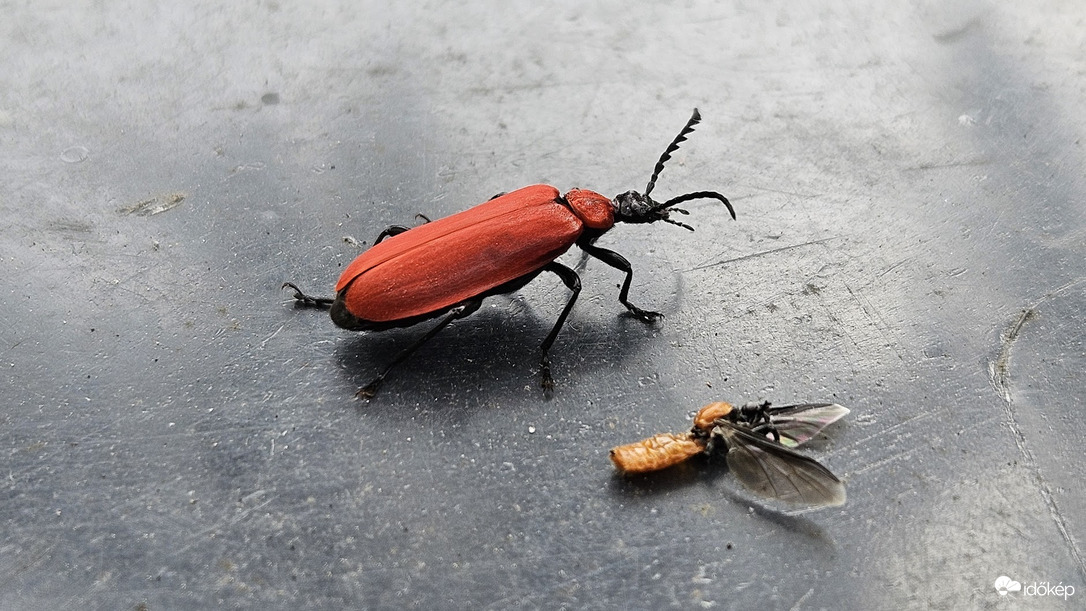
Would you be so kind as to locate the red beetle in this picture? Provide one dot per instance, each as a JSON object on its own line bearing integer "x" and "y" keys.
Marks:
{"x": 450, "y": 265}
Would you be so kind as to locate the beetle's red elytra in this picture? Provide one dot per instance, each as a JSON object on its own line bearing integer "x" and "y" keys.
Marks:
{"x": 448, "y": 266}
{"x": 387, "y": 282}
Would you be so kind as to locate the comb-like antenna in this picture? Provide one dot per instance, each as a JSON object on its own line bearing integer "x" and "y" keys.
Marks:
{"x": 674, "y": 146}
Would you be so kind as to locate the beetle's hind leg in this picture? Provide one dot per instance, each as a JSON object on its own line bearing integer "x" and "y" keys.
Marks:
{"x": 307, "y": 301}
{"x": 620, "y": 263}
{"x": 573, "y": 283}
{"x": 369, "y": 390}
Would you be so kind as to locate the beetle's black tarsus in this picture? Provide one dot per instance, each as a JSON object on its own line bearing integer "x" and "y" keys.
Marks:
{"x": 369, "y": 390}
{"x": 573, "y": 283}
{"x": 674, "y": 146}
{"x": 620, "y": 263}
{"x": 306, "y": 301}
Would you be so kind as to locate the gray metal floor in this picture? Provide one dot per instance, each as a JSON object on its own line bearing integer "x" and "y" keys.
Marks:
{"x": 910, "y": 242}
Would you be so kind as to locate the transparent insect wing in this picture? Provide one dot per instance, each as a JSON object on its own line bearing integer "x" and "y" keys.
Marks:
{"x": 773, "y": 471}
{"x": 797, "y": 424}
{"x": 656, "y": 453}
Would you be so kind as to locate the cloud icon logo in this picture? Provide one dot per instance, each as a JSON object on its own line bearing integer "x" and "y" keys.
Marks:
{"x": 1005, "y": 584}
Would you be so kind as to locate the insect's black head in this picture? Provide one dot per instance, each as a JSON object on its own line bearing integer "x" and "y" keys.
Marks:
{"x": 633, "y": 207}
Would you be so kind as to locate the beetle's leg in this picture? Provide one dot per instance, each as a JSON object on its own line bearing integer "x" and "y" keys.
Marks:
{"x": 305, "y": 300}
{"x": 398, "y": 229}
{"x": 460, "y": 311}
{"x": 620, "y": 263}
{"x": 573, "y": 283}
{"x": 391, "y": 231}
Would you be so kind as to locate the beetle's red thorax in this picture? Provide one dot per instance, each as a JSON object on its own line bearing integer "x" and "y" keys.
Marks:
{"x": 594, "y": 210}
{"x": 437, "y": 265}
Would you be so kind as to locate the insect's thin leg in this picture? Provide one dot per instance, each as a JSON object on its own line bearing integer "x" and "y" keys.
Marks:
{"x": 398, "y": 229}
{"x": 391, "y": 231}
{"x": 620, "y": 263}
{"x": 307, "y": 301}
{"x": 460, "y": 311}
{"x": 767, "y": 428}
{"x": 573, "y": 283}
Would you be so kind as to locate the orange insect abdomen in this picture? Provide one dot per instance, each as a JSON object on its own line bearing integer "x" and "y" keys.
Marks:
{"x": 655, "y": 453}
{"x": 711, "y": 413}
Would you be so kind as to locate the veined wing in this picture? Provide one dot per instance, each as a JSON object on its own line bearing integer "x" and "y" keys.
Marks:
{"x": 797, "y": 424}
{"x": 777, "y": 472}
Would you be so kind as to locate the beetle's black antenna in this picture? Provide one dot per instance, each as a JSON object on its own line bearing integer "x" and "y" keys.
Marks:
{"x": 674, "y": 146}
{"x": 699, "y": 195}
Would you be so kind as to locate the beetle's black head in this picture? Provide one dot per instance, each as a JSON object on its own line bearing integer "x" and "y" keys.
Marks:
{"x": 633, "y": 207}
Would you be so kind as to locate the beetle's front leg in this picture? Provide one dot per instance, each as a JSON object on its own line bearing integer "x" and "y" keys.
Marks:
{"x": 620, "y": 263}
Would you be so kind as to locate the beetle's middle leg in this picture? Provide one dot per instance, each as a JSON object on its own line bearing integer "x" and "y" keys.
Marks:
{"x": 307, "y": 301}
{"x": 620, "y": 263}
{"x": 398, "y": 229}
{"x": 460, "y": 311}
{"x": 389, "y": 232}
{"x": 573, "y": 283}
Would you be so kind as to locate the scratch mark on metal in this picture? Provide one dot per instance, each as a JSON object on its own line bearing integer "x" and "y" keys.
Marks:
{"x": 760, "y": 254}
{"x": 999, "y": 369}
{"x": 272, "y": 336}
{"x": 949, "y": 164}
{"x": 782, "y": 192}
{"x": 802, "y": 599}
{"x": 904, "y": 456}
{"x": 876, "y": 320}
{"x": 999, "y": 372}
{"x": 884, "y": 433}
{"x": 893, "y": 267}
{"x": 155, "y": 205}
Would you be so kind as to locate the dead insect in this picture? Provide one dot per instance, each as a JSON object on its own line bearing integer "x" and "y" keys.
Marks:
{"x": 758, "y": 439}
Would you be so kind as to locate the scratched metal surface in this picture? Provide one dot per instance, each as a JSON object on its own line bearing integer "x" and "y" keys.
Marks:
{"x": 910, "y": 243}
